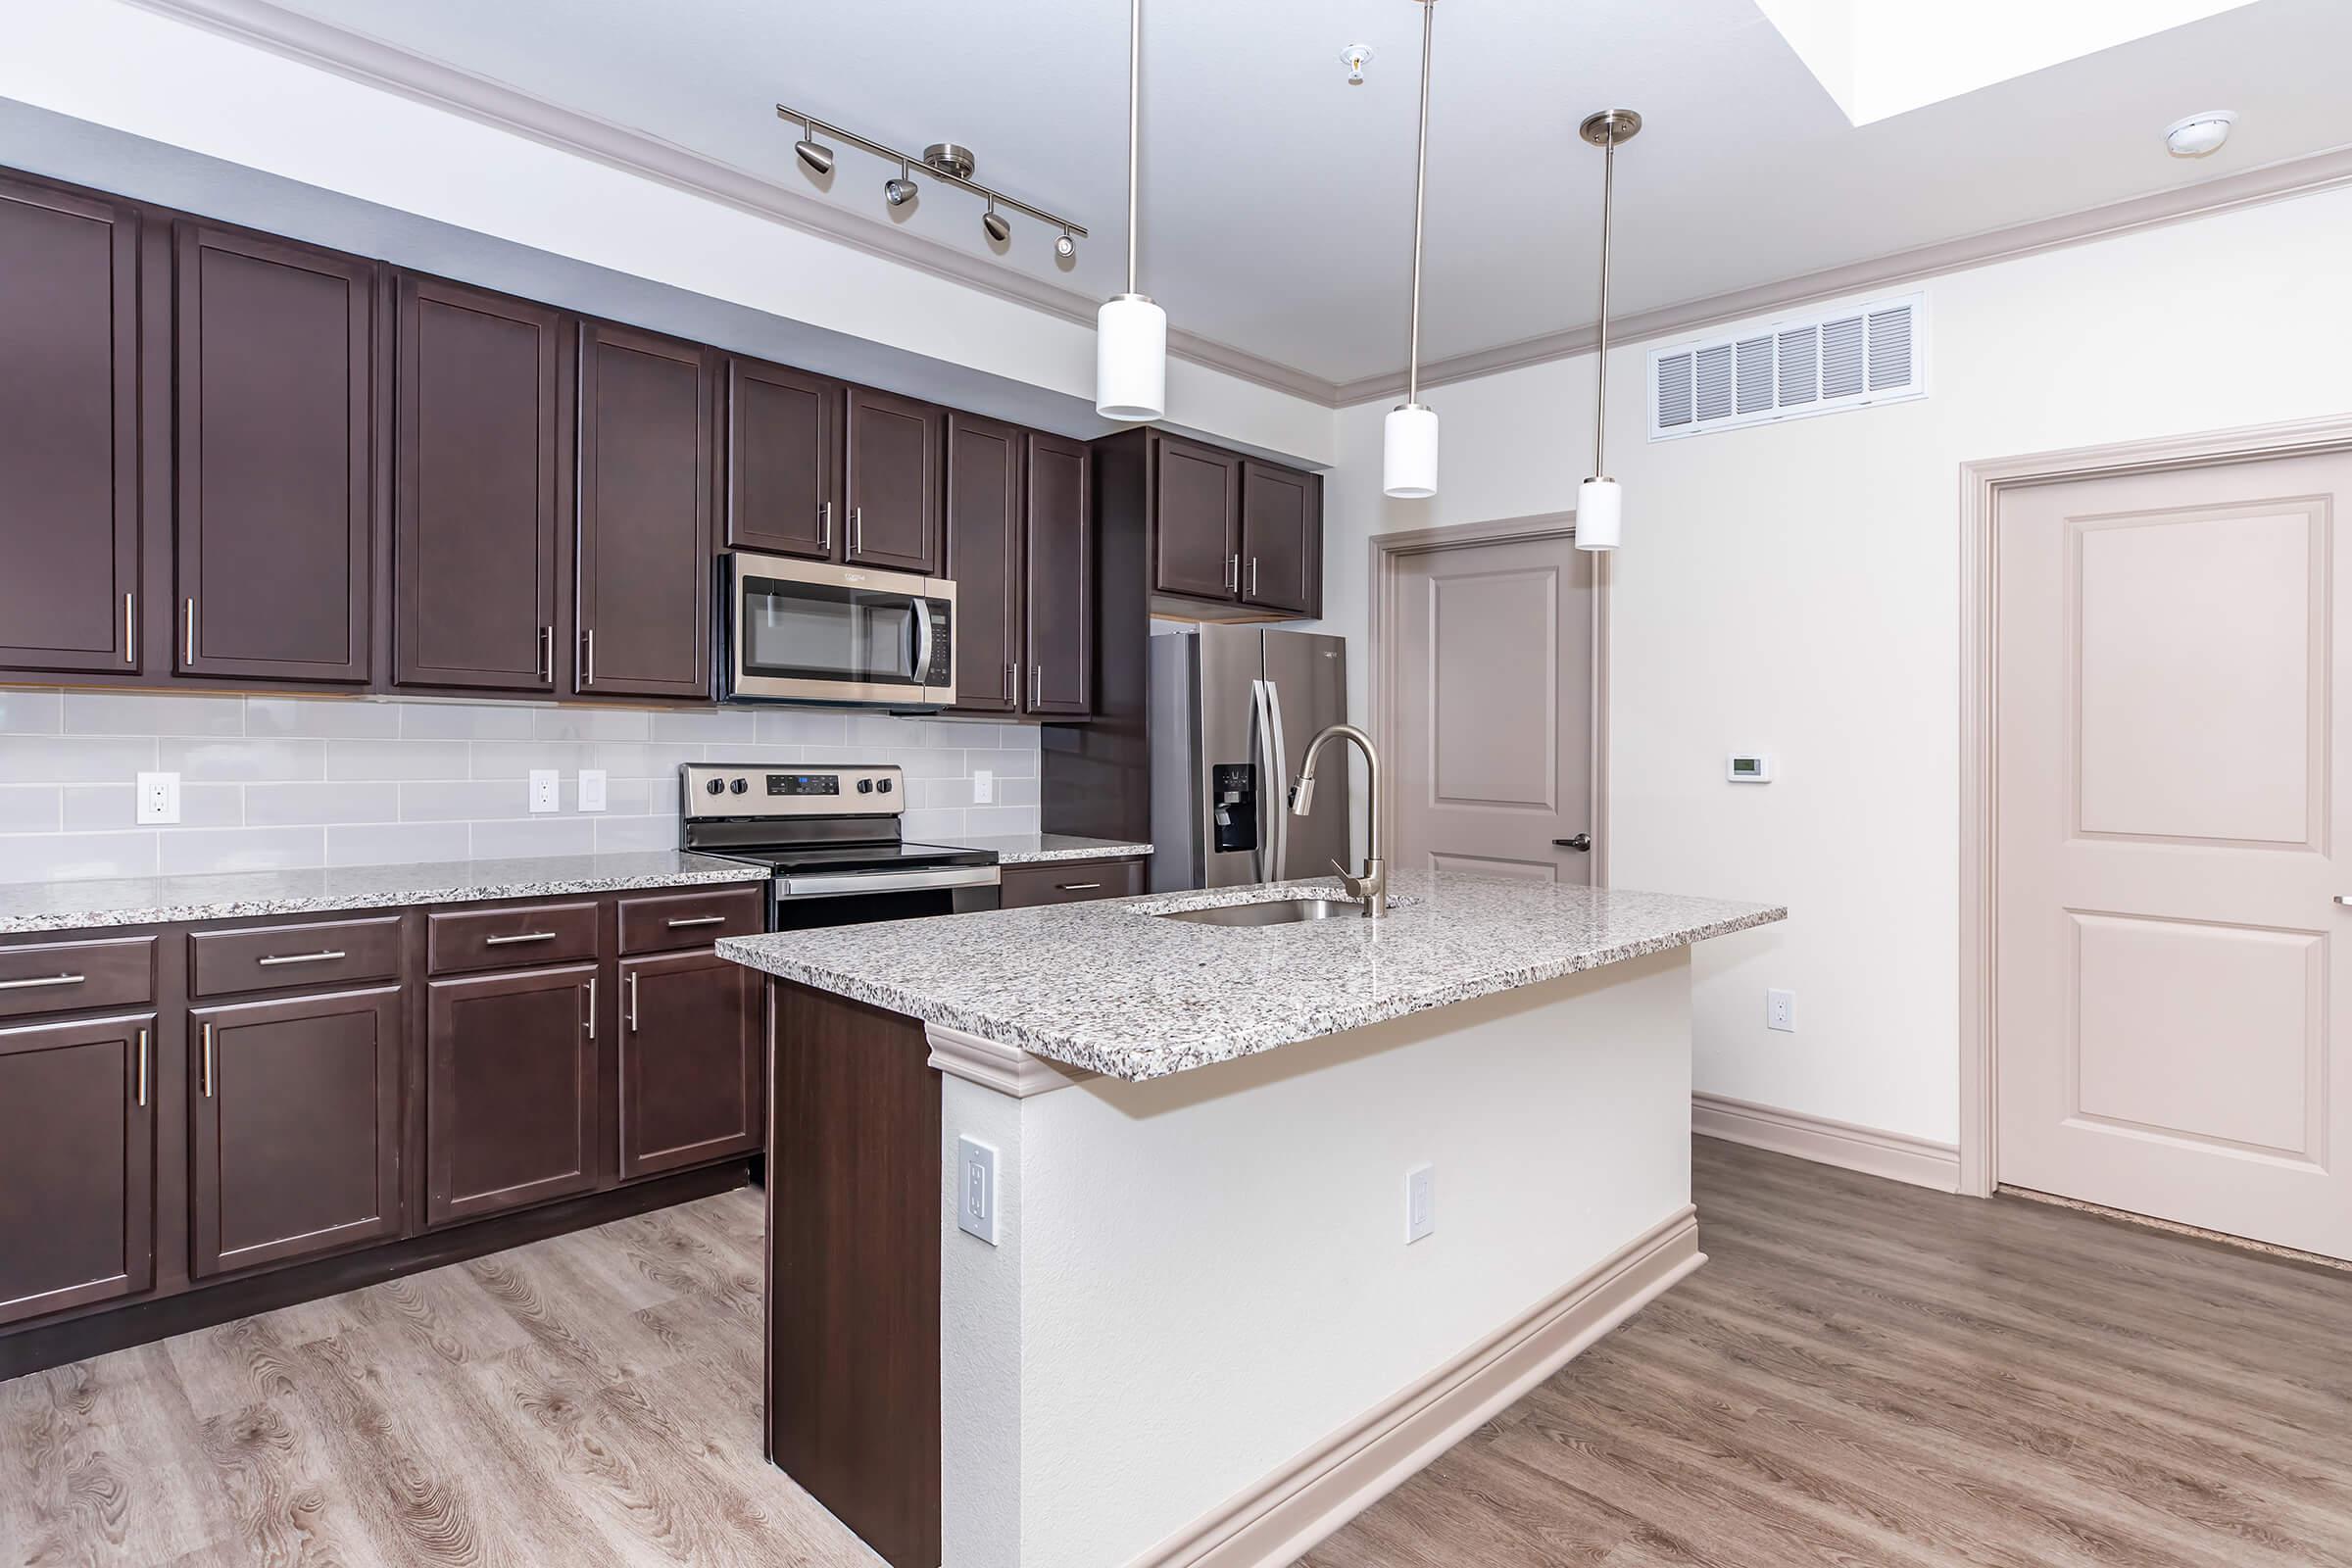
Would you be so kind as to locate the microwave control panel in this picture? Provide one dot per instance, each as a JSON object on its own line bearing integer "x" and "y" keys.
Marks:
{"x": 943, "y": 643}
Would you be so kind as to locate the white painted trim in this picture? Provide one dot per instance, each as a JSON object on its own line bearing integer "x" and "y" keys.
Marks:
{"x": 1897, "y": 1156}
{"x": 1006, "y": 1069}
{"x": 1273, "y": 1522}
{"x": 1982, "y": 485}
{"x": 390, "y": 68}
{"x": 1382, "y": 611}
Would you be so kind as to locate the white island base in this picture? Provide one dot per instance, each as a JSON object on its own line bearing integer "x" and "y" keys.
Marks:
{"x": 1201, "y": 1337}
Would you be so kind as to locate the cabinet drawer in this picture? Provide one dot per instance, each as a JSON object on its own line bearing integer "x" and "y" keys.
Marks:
{"x": 273, "y": 957}
{"x": 497, "y": 939}
{"x": 1070, "y": 882}
{"x": 67, "y": 976}
{"x": 695, "y": 919}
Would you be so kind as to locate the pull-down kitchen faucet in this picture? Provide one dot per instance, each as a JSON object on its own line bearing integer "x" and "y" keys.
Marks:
{"x": 1373, "y": 886}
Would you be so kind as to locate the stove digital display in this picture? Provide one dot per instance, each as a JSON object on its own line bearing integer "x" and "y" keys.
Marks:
{"x": 804, "y": 784}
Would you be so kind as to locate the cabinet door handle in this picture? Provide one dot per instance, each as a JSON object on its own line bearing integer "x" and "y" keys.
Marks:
{"x": 142, "y": 1069}
{"x": 1253, "y": 576}
{"x": 507, "y": 942}
{"x": 322, "y": 956}
{"x": 131, "y": 637}
{"x": 1013, "y": 679}
{"x": 1036, "y": 685}
{"x": 632, "y": 1002}
{"x": 208, "y": 1062}
{"x": 188, "y": 636}
{"x": 684, "y": 922}
{"x": 589, "y": 639}
{"x": 42, "y": 982}
{"x": 824, "y": 527}
{"x": 857, "y": 530}
{"x": 547, "y": 654}
{"x": 1076, "y": 887}
{"x": 592, "y": 1006}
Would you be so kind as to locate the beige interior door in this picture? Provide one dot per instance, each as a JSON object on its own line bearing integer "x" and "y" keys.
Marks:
{"x": 2170, "y": 964}
{"x": 1491, "y": 716}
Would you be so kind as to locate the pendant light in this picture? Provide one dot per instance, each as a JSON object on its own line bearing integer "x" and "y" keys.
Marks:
{"x": 1408, "y": 459}
{"x": 1600, "y": 504}
{"x": 1131, "y": 333}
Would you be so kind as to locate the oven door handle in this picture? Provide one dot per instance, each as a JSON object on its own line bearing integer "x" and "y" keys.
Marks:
{"x": 850, "y": 882}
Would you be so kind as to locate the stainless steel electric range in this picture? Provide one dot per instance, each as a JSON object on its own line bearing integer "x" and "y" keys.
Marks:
{"x": 831, "y": 838}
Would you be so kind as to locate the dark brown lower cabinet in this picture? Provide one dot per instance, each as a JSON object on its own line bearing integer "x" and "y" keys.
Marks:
{"x": 294, "y": 1144}
{"x": 510, "y": 1111}
{"x": 77, "y": 1164}
{"x": 690, "y": 1060}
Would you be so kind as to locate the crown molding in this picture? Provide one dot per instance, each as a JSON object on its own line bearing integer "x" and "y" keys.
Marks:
{"x": 2295, "y": 177}
{"x": 390, "y": 68}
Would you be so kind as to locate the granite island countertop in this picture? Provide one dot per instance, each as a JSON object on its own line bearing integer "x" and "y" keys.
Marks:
{"x": 1025, "y": 848}
{"x": 26, "y": 907}
{"x": 1106, "y": 988}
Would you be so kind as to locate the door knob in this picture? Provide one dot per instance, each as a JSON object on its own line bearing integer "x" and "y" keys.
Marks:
{"x": 1582, "y": 841}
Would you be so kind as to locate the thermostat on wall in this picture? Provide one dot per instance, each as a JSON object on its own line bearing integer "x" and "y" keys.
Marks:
{"x": 1753, "y": 768}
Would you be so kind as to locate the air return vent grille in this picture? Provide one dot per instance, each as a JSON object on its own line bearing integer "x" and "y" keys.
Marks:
{"x": 1847, "y": 357}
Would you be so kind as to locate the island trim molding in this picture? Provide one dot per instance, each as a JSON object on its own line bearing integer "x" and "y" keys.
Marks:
{"x": 1826, "y": 1141}
{"x": 1275, "y": 1521}
{"x": 992, "y": 1065}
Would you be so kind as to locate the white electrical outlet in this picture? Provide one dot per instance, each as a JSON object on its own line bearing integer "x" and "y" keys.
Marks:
{"x": 545, "y": 790}
{"x": 1780, "y": 1011}
{"x": 1420, "y": 1202}
{"x": 592, "y": 789}
{"x": 984, "y": 786}
{"x": 976, "y": 1188}
{"x": 159, "y": 796}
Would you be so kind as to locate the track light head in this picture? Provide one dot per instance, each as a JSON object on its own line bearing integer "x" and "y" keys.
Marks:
{"x": 996, "y": 224}
{"x": 899, "y": 190}
{"x": 1066, "y": 246}
{"x": 815, "y": 155}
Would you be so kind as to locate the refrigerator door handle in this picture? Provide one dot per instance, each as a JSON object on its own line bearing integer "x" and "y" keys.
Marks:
{"x": 1269, "y": 784}
{"x": 1280, "y": 796}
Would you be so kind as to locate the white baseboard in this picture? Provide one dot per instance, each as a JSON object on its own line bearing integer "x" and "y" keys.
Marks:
{"x": 1272, "y": 1523}
{"x": 1897, "y": 1156}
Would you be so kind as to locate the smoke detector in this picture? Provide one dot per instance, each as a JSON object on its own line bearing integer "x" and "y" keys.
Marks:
{"x": 1357, "y": 55}
{"x": 2199, "y": 135}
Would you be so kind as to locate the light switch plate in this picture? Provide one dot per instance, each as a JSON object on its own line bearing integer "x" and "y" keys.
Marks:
{"x": 1420, "y": 1202}
{"x": 976, "y": 1188}
{"x": 159, "y": 797}
{"x": 546, "y": 792}
{"x": 592, "y": 789}
{"x": 984, "y": 786}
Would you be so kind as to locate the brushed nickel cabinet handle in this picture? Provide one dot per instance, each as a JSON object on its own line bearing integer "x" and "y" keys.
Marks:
{"x": 1076, "y": 887}
{"x": 1253, "y": 576}
{"x": 322, "y": 956}
{"x": 592, "y": 1006}
{"x": 632, "y": 1002}
{"x": 1013, "y": 680}
{"x": 1036, "y": 685}
{"x": 142, "y": 1068}
{"x": 507, "y": 942}
{"x": 590, "y": 637}
{"x": 857, "y": 530}
{"x": 42, "y": 982}
{"x": 188, "y": 637}
{"x": 684, "y": 922}
{"x": 130, "y": 636}
{"x": 208, "y": 1062}
{"x": 824, "y": 527}
{"x": 547, "y": 654}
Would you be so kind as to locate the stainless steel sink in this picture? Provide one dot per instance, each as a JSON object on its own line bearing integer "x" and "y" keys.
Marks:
{"x": 1274, "y": 911}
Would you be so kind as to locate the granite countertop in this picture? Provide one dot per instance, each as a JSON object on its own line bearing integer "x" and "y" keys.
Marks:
{"x": 1022, "y": 849}
{"x": 1102, "y": 987}
{"x": 155, "y": 900}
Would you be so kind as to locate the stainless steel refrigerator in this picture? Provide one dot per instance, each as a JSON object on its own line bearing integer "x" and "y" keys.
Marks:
{"x": 1231, "y": 710}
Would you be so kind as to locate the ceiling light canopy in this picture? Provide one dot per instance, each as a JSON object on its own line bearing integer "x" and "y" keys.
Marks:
{"x": 1131, "y": 333}
{"x": 1408, "y": 445}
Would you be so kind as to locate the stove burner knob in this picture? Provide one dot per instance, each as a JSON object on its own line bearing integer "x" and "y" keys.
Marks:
{"x": 883, "y": 785}
{"x": 865, "y": 786}
{"x": 718, "y": 786}
{"x": 742, "y": 786}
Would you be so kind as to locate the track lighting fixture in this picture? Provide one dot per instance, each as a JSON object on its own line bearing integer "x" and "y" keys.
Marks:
{"x": 1599, "y": 502}
{"x": 948, "y": 163}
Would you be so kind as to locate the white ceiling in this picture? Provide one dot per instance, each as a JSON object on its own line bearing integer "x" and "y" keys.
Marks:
{"x": 1277, "y": 200}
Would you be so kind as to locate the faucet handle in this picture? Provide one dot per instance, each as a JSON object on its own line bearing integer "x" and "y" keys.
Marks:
{"x": 1354, "y": 884}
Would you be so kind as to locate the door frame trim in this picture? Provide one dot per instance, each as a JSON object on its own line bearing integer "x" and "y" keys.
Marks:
{"x": 1983, "y": 487}
{"x": 1388, "y": 551}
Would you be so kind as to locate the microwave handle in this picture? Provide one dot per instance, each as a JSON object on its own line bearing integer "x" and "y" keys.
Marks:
{"x": 922, "y": 642}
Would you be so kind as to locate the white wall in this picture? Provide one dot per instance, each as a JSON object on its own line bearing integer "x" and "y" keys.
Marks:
{"x": 1796, "y": 588}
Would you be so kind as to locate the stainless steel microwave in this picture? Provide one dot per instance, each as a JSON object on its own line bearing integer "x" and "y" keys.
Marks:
{"x": 812, "y": 631}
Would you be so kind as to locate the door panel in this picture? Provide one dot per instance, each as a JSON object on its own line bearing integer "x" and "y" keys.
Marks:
{"x": 1306, "y": 680}
{"x": 1058, "y": 590}
{"x": 69, "y": 431}
{"x": 278, "y": 404}
{"x": 1494, "y": 709}
{"x": 295, "y": 1140}
{"x": 895, "y": 449}
{"x": 1281, "y": 535}
{"x": 691, "y": 1043}
{"x": 510, "y": 1091}
{"x": 984, "y": 559}
{"x": 2169, "y": 961}
{"x": 784, "y": 440}
{"x": 1196, "y": 512}
{"x": 646, "y": 453}
{"x": 77, "y": 1164}
{"x": 474, "y": 553}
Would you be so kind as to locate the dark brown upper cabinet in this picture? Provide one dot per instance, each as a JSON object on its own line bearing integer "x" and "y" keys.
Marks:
{"x": 1195, "y": 513}
{"x": 69, "y": 431}
{"x": 1058, "y": 586}
{"x": 476, "y": 550}
{"x": 77, "y": 1118}
{"x": 1282, "y": 538}
{"x": 281, "y": 395}
{"x": 784, "y": 461}
{"x": 692, "y": 1039}
{"x": 984, "y": 558}
{"x": 510, "y": 1096}
{"x": 895, "y": 452}
{"x": 647, "y": 449}
{"x": 295, "y": 1138}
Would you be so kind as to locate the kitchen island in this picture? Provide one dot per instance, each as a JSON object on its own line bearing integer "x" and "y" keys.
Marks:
{"x": 1175, "y": 1316}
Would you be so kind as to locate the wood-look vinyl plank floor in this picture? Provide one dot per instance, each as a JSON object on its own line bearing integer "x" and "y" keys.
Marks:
{"x": 1863, "y": 1374}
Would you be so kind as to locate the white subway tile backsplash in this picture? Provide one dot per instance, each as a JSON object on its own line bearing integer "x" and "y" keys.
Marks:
{"x": 287, "y": 782}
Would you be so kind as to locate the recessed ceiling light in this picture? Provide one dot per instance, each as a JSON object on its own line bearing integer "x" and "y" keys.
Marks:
{"x": 2199, "y": 135}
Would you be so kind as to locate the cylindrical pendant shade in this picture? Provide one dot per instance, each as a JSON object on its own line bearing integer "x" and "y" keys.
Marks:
{"x": 1600, "y": 514}
{"x": 1408, "y": 462}
{"x": 1131, "y": 358}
